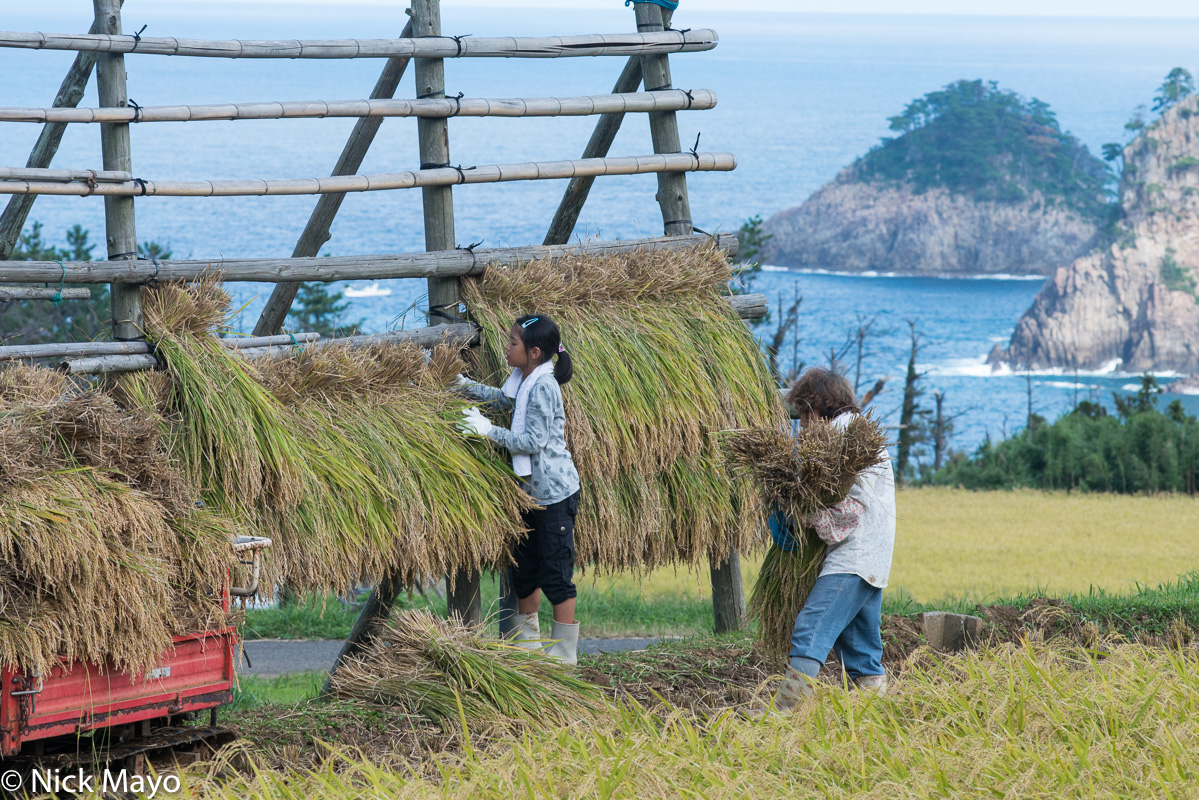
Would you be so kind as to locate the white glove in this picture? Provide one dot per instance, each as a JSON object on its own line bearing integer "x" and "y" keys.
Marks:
{"x": 462, "y": 380}
{"x": 473, "y": 421}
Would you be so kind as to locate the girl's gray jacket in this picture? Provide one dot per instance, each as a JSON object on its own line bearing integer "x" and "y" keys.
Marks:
{"x": 554, "y": 475}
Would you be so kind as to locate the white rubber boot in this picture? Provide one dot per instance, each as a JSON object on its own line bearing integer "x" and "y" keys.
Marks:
{"x": 876, "y": 684}
{"x": 565, "y": 644}
{"x": 795, "y": 688}
{"x": 527, "y": 633}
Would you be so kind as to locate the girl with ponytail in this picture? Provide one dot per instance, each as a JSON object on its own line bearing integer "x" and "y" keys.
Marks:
{"x": 545, "y": 557}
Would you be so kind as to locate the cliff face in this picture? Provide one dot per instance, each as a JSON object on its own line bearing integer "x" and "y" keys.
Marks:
{"x": 1135, "y": 300}
{"x": 855, "y": 226}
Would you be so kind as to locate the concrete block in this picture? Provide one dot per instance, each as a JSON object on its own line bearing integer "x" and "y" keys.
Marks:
{"x": 951, "y": 633}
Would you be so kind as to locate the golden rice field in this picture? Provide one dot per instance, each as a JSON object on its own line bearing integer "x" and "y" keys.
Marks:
{"x": 953, "y": 544}
{"x": 1030, "y": 722}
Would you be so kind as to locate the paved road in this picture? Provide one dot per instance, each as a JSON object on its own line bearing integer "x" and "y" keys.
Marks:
{"x": 269, "y": 657}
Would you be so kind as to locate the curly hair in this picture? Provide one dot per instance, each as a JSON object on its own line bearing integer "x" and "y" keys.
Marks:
{"x": 823, "y": 392}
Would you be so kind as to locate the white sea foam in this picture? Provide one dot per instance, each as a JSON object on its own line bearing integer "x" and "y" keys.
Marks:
{"x": 876, "y": 274}
{"x": 979, "y": 368}
{"x": 1069, "y": 385}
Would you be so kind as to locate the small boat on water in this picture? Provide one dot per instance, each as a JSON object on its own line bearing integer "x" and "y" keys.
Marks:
{"x": 374, "y": 290}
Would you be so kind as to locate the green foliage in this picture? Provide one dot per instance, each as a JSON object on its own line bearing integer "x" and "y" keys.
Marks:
{"x": 153, "y": 250}
{"x": 752, "y": 239}
{"x": 1179, "y": 85}
{"x": 973, "y": 138}
{"x": 1139, "y": 449}
{"x": 317, "y": 309}
{"x": 1176, "y": 277}
{"x": 1184, "y": 163}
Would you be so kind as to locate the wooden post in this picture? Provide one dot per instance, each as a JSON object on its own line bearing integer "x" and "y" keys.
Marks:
{"x": 377, "y": 607}
{"x": 728, "y": 594}
{"x": 664, "y": 127}
{"x": 316, "y": 232}
{"x": 120, "y": 230}
{"x": 12, "y": 221}
{"x": 463, "y": 595}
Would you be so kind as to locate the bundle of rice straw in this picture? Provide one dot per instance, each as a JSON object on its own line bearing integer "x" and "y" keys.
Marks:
{"x": 104, "y": 555}
{"x": 348, "y": 459}
{"x": 661, "y": 364}
{"x": 798, "y": 475}
{"x": 452, "y": 675}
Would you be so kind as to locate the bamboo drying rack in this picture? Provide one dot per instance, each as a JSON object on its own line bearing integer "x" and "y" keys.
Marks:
{"x": 441, "y": 265}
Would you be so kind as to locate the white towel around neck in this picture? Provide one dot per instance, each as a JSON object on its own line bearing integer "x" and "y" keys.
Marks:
{"x": 519, "y": 387}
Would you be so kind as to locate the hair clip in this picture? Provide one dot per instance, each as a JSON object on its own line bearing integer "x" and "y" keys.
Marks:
{"x": 529, "y": 322}
{"x": 561, "y": 348}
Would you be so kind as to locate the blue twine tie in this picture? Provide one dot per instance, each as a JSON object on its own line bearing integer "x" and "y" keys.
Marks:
{"x": 57, "y": 298}
{"x": 295, "y": 342}
{"x": 664, "y": 3}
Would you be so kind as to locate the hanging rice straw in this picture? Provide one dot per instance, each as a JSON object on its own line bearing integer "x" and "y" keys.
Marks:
{"x": 662, "y": 364}
{"x": 348, "y": 459}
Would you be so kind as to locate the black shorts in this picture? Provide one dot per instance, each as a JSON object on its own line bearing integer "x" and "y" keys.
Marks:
{"x": 545, "y": 558}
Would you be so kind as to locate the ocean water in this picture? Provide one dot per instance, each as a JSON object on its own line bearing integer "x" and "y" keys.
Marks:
{"x": 800, "y": 97}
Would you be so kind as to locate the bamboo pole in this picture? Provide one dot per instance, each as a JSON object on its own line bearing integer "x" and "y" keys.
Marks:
{"x": 291, "y": 339}
{"x": 432, "y": 177}
{"x": 317, "y": 231}
{"x": 119, "y": 225}
{"x": 18, "y": 352}
{"x": 70, "y": 92}
{"x": 103, "y": 365}
{"x": 464, "y": 334}
{"x": 11, "y": 293}
{"x": 435, "y": 47}
{"x": 445, "y": 264}
{"x": 619, "y": 102}
{"x": 63, "y": 175}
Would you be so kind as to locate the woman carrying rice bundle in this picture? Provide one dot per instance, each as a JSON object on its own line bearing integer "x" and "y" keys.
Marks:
{"x": 843, "y": 612}
{"x": 537, "y": 440}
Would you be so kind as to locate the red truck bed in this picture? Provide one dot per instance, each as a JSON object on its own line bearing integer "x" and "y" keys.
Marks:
{"x": 78, "y": 697}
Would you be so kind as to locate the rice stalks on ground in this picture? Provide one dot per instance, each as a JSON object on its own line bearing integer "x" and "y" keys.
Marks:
{"x": 661, "y": 364}
{"x": 799, "y": 474}
{"x": 454, "y": 676}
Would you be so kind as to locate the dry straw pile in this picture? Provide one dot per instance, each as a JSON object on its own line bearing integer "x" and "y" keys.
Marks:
{"x": 454, "y": 676}
{"x": 102, "y": 552}
{"x": 661, "y": 365}
{"x": 348, "y": 459}
{"x": 798, "y": 475}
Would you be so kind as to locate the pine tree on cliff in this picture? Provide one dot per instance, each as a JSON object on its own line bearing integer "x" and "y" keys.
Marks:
{"x": 975, "y": 139}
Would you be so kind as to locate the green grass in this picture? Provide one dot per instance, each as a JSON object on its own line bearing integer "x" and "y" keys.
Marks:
{"x": 607, "y": 610}
{"x": 313, "y": 617}
{"x": 281, "y": 690}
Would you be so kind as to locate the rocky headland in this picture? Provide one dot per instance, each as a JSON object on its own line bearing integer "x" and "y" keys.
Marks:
{"x": 1136, "y": 298}
{"x": 979, "y": 181}
{"x": 855, "y": 226}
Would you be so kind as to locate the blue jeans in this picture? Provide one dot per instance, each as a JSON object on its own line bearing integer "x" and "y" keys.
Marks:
{"x": 843, "y": 613}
